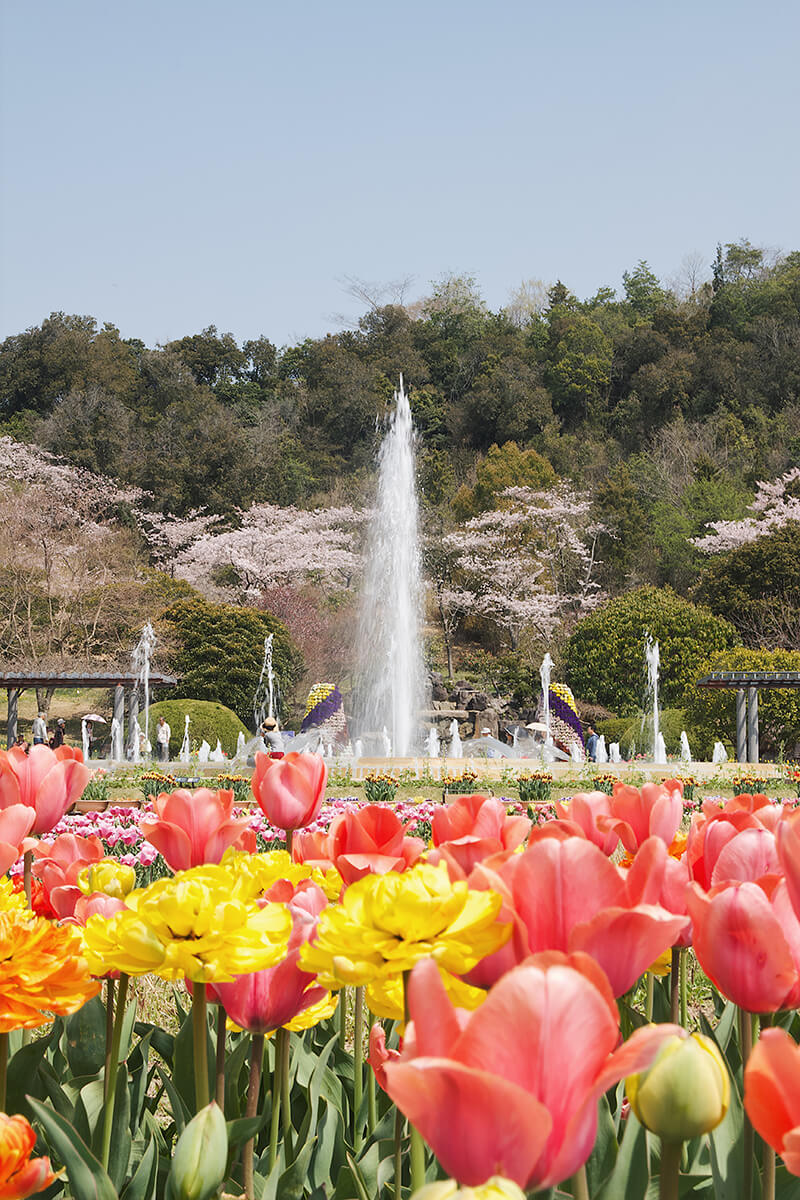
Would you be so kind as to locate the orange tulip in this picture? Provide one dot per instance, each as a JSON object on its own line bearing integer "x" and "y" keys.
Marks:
{"x": 371, "y": 841}
{"x": 48, "y": 781}
{"x": 15, "y": 824}
{"x": 290, "y": 790}
{"x": 772, "y": 1094}
{"x": 522, "y": 1106}
{"x": 20, "y": 1175}
{"x": 42, "y": 971}
{"x": 192, "y": 828}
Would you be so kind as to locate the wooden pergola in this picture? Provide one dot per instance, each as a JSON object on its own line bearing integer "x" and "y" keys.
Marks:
{"x": 124, "y": 685}
{"x": 747, "y": 685}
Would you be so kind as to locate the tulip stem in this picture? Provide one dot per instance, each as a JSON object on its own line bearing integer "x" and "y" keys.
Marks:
{"x": 283, "y": 1047}
{"x": 668, "y": 1178}
{"x": 648, "y": 1004}
{"x": 113, "y": 1067}
{"x": 275, "y": 1119}
{"x": 417, "y": 1159}
{"x": 109, "y": 1033}
{"x": 289, "y": 836}
{"x": 3, "y": 1069}
{"x": 358, "y": 1070}
{"x": 768, "y": 1177}
{"x": 27, "y": 863}
{"x": 253, "y": 1089}
{"x": 580, "y": 1186}
{"x": 748, "y": 1135}
{"x": 222, "y": 1018}
{"x": 674, "y": 985}
{"x": 684, "y": 1007}
{"x": 372, "y": 1103}
{"x": 398, "y": 1154}
{"x": 200, "y": 1045}
{"x": 342, "y": 1017}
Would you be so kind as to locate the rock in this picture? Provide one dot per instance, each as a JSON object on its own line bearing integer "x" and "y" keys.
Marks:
{"x": 439, "y": 693}
{"x": 486, "y": 719}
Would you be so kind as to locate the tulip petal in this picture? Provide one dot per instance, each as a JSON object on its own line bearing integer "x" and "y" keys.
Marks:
{"x": 625, "y": 941}
{"x": 477, "y": 1124}
{"x": 772, "y": 1087}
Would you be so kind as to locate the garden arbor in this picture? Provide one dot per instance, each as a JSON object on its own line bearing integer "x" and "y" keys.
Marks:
{"x": 124, "y": 685}
{"x": 747, "y": 685}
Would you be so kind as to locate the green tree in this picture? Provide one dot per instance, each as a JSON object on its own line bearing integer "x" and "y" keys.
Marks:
{"x": 605, "y": 660}
{"x": 504, "y": 466}
{"x": 643, "y": 292}
{"x": 579, "y": 371}
{"x": 218, "y": 653}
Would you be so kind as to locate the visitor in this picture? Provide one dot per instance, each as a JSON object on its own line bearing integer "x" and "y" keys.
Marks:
{"x": 22, "y": 744}
{"x": 273, "y": 738}
{"x": 58, "y": 734}
{"x": 39, "y": 730}
{"x": 89, "y": 738}
{"x": 591, "y": 744}
{"x": 163, "y": 732}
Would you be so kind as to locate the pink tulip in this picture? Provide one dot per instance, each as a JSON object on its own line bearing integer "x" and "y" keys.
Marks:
{"x": 48, "y": 781}
{"x": 655, "y": 877}
{"x": 98, "y": 903}
{"x": 290, "y": 790}
{"x": 15, "y": 825}
{"x": 772, "y": 1094}
{"x": 747, "y": 940}
{"x": 266, "y": 1000}
{"x": 584, "y": 810}
{"x": 654, "y": 810}
{"x": 570, "y": 897}
{"x": 380, "y": 1054}
{"x": 195, "y": 827}
{"x": 59, "y": 863}
{"x": 524, "y": 1107}
{"x": 371, "y": 841}
{"x": 471, "y": 828}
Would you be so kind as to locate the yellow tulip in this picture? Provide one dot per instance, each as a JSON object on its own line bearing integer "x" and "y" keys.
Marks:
{"x": 495, "y": 1188}
{"x": 109, "y": 876}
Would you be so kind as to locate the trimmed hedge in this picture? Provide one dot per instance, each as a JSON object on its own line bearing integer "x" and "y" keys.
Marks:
{"x": 712, "y": 711}
{"x": 207, "y": 719}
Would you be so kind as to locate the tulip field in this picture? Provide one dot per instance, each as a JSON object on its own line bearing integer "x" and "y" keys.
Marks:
{"x": 377, "y": 1001}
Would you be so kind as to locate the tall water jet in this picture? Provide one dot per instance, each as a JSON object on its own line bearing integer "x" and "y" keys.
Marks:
{"x": 117, "y": 750}
{"x": 456, "y": 748}
{"x": 545, "y": 670}
{"x": 142, "y": 655}
{"x": 652, "y": 660}
{"x": 186, "y": 749}
{"x": 264, "y": 698}
{"x": 433, "y": 742}
{"x": 686, "y": 753}
{"x": 391, "y": 689}
{"x": 601, "y": 754}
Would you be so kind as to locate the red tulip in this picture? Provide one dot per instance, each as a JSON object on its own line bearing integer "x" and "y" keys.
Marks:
{"x": 747, "y": 940}
{"x": 59, "y": 863}
{"x": 524, "y": 1107}
{"x": 772, "y": 1094}
{"x": 472, "y": 827}
{"x": 571, "y": 897}
{"x": 266, "y": 1000}
{"x": 15, "y": 825}
{"x": 290, "y": 790}
{"x": 194, "y": 827}
{"x": 48, "y": 781}
{"x": 371, "y": 841}
{"x": 380, "y": 1054}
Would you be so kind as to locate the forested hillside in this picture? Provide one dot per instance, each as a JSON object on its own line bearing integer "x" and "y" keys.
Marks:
{"x": 624, "y": 424}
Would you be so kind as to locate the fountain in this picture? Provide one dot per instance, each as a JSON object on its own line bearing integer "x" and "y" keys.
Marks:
{"x": 433, "y": 742}
{"x": 545, "y": 671}
{"x": 204, "y": 752}
{"x": 456, "y": 749}
{"x": 84, "y": 739}
{"x": 241, "y": 749}
{"x": 391, "y": 688}
{"x": 117, "y": 751}
{"x": 720, "y": 754}
{"x": 387, "y": 743}
{"x": 358, "y": 748}
{"x": 601, "y": 754}
{"x": 686, "y": 754}
{"x": 186, "y": 750}
{"x": 264, "y": 698}
{"x": 652, "y": 660}
{"x": 217, "y": 754}
{"x": 613, "y": 753}
{"x": 142, "y": 655}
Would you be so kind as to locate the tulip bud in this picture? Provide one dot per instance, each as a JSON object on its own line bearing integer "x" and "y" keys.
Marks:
{"x": 200, "y": 1158}
{"x": 495, "y": 1188}
{"x": 685, "y": 1092}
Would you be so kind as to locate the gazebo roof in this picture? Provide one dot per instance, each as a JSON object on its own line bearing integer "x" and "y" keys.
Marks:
{"x": 20, "y": 680}
{"x": 748, "y": 679}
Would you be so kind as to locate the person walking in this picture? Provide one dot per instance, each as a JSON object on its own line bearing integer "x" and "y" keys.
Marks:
{"x": 58, "y": 734}
{"x": 163, "y": 732}
{"x": 39, "y": 730}
{"x": 591, "y": 744}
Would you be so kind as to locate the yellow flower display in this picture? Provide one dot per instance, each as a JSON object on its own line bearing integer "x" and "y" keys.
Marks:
{"x": 109, "y": 876}
{"x": 387, "y": 923}
{"x": 10, "y": 898}
{"x": 42, "y": 971}
{"x": 193, "y": 926}
{"x": 255, "y": 874}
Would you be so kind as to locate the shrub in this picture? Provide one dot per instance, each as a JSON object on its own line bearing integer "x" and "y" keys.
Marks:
{"x": 220, "y": 650}
{"x": 711, "y": 712}
{"x": 207, "y": 719}
{"x": 605, "y": 661}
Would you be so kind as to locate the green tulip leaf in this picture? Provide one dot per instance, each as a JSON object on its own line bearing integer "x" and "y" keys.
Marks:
{"x": 87, "y": 1179}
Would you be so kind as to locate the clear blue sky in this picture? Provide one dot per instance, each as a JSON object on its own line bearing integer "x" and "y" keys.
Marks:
{"x": 168, "y": 164}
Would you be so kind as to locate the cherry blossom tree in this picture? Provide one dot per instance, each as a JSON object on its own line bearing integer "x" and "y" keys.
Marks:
{"x": 775, "y": 504}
